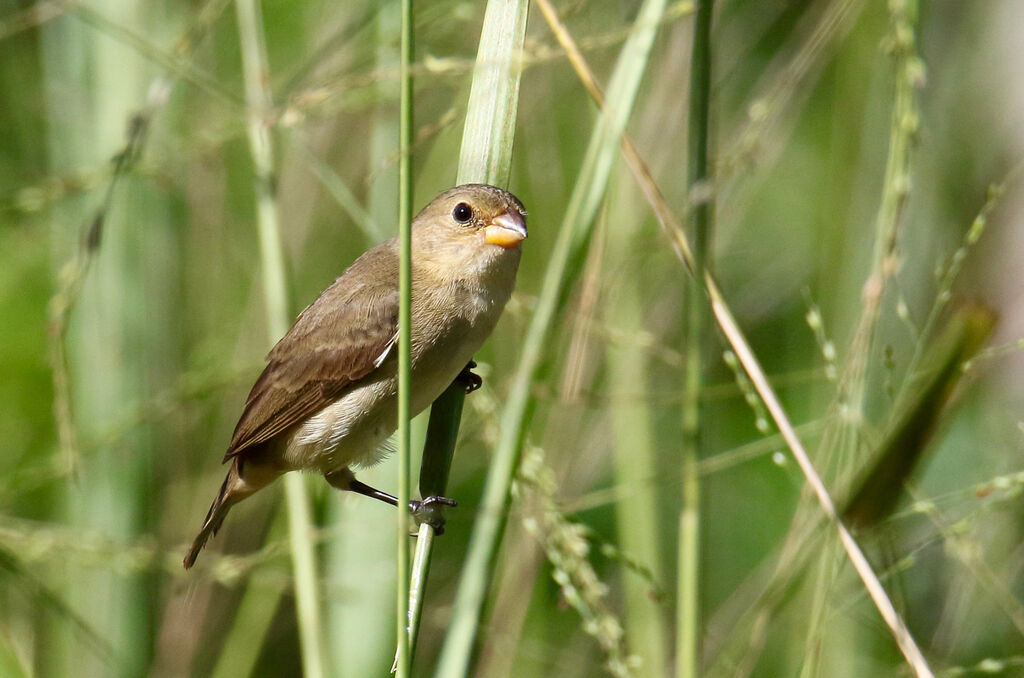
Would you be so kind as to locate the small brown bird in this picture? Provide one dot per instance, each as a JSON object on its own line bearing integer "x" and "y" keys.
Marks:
{"x": 327, "y": 399}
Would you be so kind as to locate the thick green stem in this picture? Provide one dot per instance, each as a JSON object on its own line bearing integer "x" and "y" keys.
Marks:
{"x": 439, "y": 447}
{"x": 687, "y": 594}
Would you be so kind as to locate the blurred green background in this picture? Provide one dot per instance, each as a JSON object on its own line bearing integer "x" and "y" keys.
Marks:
{"x": 166, "y": 334}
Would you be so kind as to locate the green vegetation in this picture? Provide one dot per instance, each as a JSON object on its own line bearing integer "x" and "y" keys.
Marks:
{"x": 177, "y": 180}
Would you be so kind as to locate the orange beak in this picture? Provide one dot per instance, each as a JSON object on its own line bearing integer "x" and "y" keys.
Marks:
{"x": 508, "y": 229}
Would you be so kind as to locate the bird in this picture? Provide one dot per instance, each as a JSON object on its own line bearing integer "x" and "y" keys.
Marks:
{"x": 327, "y": 399}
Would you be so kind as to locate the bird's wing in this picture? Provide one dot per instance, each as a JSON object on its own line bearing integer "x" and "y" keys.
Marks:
{"x": 340, "y": 338}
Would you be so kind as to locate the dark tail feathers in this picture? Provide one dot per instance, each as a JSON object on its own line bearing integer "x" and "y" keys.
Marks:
{"x": 214, "y": 518}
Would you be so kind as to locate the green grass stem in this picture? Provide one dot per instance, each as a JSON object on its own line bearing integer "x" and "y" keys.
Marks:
{"x": 403, "y": 659}
{"x": 896, "y": 186}
{"x": 113, "y": 347}
{"x": 688, "y": 574}
{"x": 300, "y": 524}
{"x": 253, "y": 616}
{"x": 361, "y": 635}
{"x": 635, "y": 454}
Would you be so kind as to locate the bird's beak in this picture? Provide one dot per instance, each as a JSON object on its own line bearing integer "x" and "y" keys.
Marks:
{"x": 508, "y": 229}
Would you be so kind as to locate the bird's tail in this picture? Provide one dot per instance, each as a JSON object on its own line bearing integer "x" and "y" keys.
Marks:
{"x": 218, "y": 511}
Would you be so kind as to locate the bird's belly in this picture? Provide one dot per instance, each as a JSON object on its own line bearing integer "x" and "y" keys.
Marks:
{"x": 351, "y": 430}
{"x": 348, "y": 432}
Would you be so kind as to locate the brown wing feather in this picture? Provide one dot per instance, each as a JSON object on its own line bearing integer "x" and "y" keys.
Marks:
{"x": 335, "y": 342}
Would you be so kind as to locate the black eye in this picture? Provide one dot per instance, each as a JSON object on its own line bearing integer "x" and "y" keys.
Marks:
{"x": 462, "y": 213}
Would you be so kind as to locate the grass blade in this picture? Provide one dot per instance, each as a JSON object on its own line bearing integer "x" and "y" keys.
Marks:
{"x": 486, "y": 155}
{"x": 914, "y": 421}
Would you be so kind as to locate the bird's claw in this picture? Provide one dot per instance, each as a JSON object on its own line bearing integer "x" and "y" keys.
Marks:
{"x": 470, "y": 379}
{"x": 431, "y": 511}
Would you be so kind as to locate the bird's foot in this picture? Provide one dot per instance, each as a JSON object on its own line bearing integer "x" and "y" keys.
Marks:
{"x": 431, "y": 511}
{"x": 470, "y": 379}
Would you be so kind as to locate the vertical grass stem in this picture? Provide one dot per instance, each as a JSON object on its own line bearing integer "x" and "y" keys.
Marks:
{"x": 687, "y": 592}
{"x": 258, "y": 104}
{"x": 403, "y": 660}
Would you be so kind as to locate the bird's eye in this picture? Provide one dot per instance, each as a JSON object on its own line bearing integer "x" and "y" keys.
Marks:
{"x": 462, "y": 213}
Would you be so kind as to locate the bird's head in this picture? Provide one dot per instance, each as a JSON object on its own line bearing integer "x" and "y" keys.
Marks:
{"x": 477, "y": 216}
